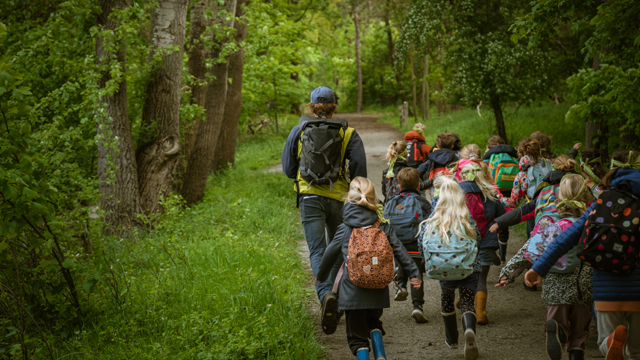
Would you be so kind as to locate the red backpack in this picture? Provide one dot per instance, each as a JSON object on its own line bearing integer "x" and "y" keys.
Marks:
{"x": 415, "y": 156}
{"x": 474, "y": 203}
{"x": 370, "y": 257}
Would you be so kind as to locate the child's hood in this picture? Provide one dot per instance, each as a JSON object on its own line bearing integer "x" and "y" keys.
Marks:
{"x": 413, "y": 135}
{"x": 499, "y": 149}
{"x": 630, "y": 175}
{"x": 443, "y": 156}
{"x": 469, "y": 187}
{"x": 356, "y": 216}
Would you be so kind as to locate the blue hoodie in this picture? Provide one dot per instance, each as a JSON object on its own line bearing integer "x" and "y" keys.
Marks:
{"x": 607, "y": 286}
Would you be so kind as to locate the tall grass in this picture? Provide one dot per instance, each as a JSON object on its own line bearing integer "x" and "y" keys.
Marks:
{"x": 519, "y": 122}
{"x": 221, "y": 280}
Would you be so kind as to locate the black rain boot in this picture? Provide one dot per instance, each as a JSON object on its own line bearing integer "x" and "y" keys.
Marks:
{"x": 451, "y": 330}
{"x": 470, "y": 345}
{"x": 555, "y": 340}
{"x": 576, "y": 354}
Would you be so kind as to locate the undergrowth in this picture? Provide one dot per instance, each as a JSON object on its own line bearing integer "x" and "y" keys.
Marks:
{"x": 220, "y": 280}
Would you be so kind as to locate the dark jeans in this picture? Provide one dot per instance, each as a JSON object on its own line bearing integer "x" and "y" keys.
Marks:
{"x": 359, "y": 326}
{"x": 321, "y": 217}
{"x": 417, "y": 296}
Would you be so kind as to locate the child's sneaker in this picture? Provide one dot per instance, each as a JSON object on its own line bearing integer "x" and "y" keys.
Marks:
{"x": 401, "y": 294}
{"x": 418, "y": 315}
{"x": 616, "y": 343}
{"x": 555, "y": 340}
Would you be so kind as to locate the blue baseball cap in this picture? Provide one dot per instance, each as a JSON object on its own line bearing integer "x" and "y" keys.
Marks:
{"x": 323, "y": 95}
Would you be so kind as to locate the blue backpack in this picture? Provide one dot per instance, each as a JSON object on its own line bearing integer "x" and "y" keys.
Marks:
{"x": 404, "y": 214}
{"x": 536, "y": 174}
{"x": 448, "y": 262}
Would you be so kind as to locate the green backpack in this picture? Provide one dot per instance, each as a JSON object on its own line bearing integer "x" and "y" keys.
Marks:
{"x": 504, "y": 169}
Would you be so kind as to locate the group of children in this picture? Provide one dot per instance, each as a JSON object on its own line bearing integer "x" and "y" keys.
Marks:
{"x": 446, "y": 213}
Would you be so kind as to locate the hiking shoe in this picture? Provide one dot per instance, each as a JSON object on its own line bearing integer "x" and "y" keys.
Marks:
{"x": 418, "y": 315}
{"x": 496, "y": 259}
{"x": 530, "y": 288}
{"x": 401, "y": 294}
{"x": 555, "y": 340}
{"x": 616, "y": 343}
{"x": 330, "y": 315}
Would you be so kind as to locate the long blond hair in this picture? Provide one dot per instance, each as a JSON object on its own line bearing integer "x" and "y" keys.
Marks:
{"x": 451, "y": 215}
{"x": 470, "y": 152}
{"x": 473, "y": 172}
{"x": 361, "y": 192}
{"x": 573, "y": 196}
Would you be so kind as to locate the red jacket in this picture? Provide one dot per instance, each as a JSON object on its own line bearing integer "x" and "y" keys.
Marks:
{"x": 414, "y": 135}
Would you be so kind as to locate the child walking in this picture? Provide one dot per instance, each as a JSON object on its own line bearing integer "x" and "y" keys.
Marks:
{"x": 567, "y": 289}
{"x": 367, "y": 244}
{"x": 417, "y": 148}
{"x": 450, "y": 246}
{"x": 482, "y": 202}
{"x": 397, "y": 160}
{"x": 615, "y": 278}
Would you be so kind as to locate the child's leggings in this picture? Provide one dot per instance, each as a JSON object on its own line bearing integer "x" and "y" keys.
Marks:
{"x": 359, "y": 325}
{"x": 574, "y": 320}
{"x": 609, "y": 320}
{"x": 467, "y": 300}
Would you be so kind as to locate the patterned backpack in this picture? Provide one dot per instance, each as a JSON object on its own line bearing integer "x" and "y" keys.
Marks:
{"x": 448, "y": 262}
{"x": 547, "y": 229}
{"x": 536, "y": 174}
{"x": 608, "y": 240}
{"x": 370, "y": 257}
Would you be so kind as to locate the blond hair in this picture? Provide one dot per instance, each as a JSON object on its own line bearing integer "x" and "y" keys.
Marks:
{"x": 479, "y": 177}
{"x": 361, "y": 192}
{"x": 470, "y": 152}
{"x": 564, "y": 163}
{"x": 572, "y": 187}
{"x": 395, "y": 149}
{"x": 451, "y": 215}
{"x": 419, "y": 128}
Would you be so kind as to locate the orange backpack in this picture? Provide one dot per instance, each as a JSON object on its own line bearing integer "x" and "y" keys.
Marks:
{"x": 439, "y": 171}
{"x": 370, "y": 257}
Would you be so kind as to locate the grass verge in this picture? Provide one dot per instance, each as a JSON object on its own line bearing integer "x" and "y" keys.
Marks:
{"x": 520, "y": 122}
{"x": 220, "y": 280}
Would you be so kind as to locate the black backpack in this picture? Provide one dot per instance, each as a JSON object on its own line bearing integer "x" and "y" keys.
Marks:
{"x": 414, "y": 153}
{"x": 321, "y": 161}
{"x": 610, "y": 240}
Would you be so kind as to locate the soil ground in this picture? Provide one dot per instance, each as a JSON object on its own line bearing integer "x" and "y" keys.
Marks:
{"x": 516, "y": 316}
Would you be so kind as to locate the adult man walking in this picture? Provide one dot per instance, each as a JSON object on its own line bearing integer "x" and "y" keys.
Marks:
{"x": 315, "y": 157}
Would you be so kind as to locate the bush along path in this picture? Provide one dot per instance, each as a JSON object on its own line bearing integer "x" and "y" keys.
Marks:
{"x": 516, "y": 316}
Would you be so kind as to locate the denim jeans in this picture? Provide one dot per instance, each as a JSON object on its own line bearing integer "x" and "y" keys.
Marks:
{"x": 321, "y": 217}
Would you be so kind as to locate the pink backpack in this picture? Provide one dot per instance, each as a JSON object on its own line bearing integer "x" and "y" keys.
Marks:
{"x": 474, "y": 203}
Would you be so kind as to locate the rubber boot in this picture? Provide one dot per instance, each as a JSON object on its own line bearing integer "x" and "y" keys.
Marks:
{"x": 377, "y": 346}
{"x": 481, "y": 307}
{"x": 555, "y": 340}
{"x": 502, "y": 251}
{"x": 363, "y": 354}
{"x": 470, "y": 345}
{"x": 576, "y": 354}
{"x": 451, "y": 330}
{"x": 616, "y": 343}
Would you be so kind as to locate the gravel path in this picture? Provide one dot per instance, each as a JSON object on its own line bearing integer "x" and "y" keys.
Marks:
{"x": 516, "y": 316}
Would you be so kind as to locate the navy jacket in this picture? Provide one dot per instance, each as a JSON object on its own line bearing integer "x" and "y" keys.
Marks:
{"x": 492, "y": 210}
{"x": 607, "y": 286}
{"x": 435, "y": 159}
{"x": 354, "y": 152}
{"x": 498, "y": 149}
{"x": 351, "y": 296}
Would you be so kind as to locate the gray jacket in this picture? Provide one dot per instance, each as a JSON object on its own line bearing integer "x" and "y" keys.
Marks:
{"x": 350, "y": 296}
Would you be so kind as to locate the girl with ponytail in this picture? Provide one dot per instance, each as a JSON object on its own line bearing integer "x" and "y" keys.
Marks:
{"x": 362, "y": 306}
{"x": 397, "y": 160}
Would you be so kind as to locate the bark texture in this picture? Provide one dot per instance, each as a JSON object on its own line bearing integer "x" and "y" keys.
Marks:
{"x": 226, "y": 147}
{"x": 197, "y": 68}
{"x": 497, "y": 111}
{"x": 425, "y": 90}
{"x": 202, "y": 153}
{"x": 413, "y": 86}
{"x": 158, "y": 156}
{"x": 356, "y": 22}
{"x": 118, "y": 180}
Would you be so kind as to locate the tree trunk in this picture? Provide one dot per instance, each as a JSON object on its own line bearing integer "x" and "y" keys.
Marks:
{"x": 117, "y": 176}
{"x": 413, "y": 85}
{"x": 203, "y": 151}
{"x": 226, "y": 147}
{"x": 387, "y": 25}
{"x": 497, "y": 111}
{"x": 425, "y": 89}
{"x": 356, "y": 22}
{"x": 197, "y": 69}
{"x": 158, "y": 156}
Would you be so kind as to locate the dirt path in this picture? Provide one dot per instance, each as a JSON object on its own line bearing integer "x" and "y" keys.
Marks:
{"x": 516, "y": 316}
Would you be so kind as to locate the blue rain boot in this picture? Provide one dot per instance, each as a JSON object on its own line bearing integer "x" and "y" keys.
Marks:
{"x": 363, "y": 354}
{"x": 376, "y": 344}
